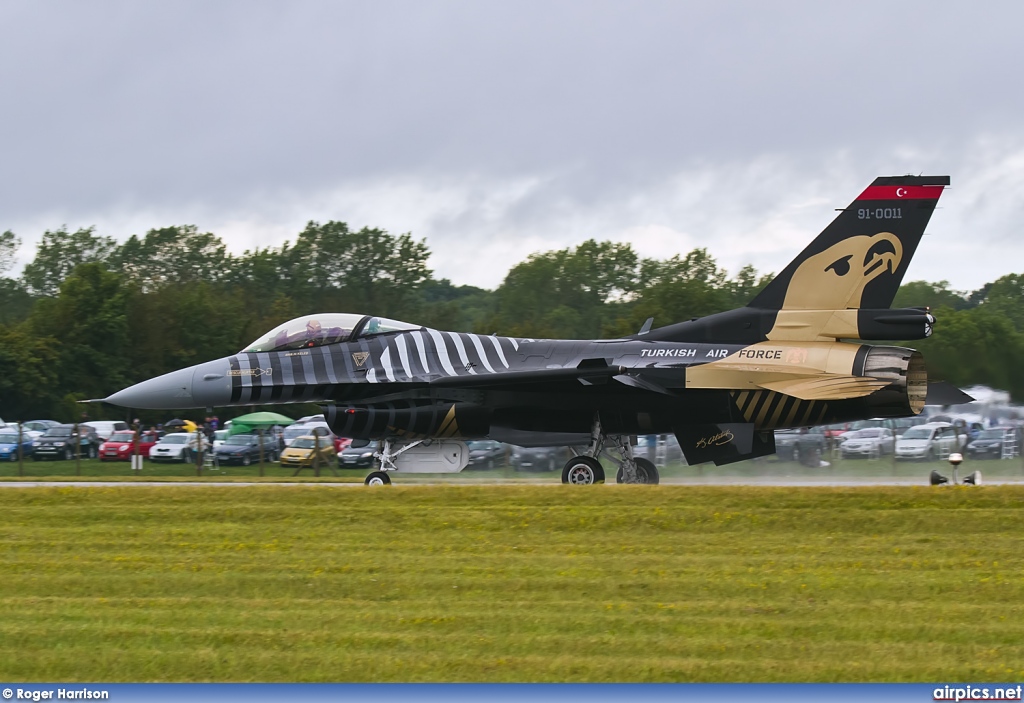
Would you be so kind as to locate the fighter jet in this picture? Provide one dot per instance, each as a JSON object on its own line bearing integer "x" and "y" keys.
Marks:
{"x": 790, "y": 358}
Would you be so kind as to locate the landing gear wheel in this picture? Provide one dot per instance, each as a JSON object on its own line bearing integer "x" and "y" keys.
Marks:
{"x": 646, "y": 472}
{"x": 377, "y": 478}
{"x": 583, "y": 471}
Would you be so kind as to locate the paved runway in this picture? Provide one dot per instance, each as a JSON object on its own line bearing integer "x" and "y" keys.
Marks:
{"x": 768, "y": 481}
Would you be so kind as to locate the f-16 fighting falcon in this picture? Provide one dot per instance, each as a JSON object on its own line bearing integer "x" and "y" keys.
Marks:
{"x": 720, "y": 383}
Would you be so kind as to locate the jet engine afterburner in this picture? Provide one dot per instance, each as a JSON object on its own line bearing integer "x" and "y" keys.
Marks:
{"x": 908, "y": 380}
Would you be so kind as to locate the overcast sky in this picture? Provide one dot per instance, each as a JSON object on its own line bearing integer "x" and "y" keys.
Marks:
{"x": 496, "y": 129}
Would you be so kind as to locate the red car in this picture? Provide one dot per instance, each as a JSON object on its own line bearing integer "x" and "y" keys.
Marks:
{"x": 121, "y": 446}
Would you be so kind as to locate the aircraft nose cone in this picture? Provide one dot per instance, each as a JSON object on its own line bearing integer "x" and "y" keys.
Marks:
{"x": 211, "y": 384}
{"x": 168, "y": 392}
{"x": 202, "y": 386}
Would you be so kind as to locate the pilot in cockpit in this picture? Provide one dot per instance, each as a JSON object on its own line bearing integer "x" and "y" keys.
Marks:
{"x": 314, "y": 334}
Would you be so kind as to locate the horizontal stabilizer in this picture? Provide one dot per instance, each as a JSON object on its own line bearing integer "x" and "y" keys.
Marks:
{"x": 827, "y": 387}
{"x": 942, "y": 393}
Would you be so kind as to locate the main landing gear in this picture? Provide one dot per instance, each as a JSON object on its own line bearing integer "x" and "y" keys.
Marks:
{"x": 585, "y": 469}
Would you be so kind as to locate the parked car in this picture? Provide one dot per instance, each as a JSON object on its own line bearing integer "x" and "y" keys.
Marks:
{"x": 660, "y": 449}
{"x": 63, "y": 442}
{"x": 934, "y": 440}
{"x": 486, "y": 453}
{"x": 178, "y": 446}
{"x": 244, "y": 449}
{"x": 357, "y": 457}
{"x": 105, "y": 428}
{"x": 538, "y": 458}
{"x": 990, "y": 443}
{"x": 867, "y": 443}
{"x": 902, "y": 424}
{"x": 34, "y": 428}
{"x": 805, "y": 445}
{"x": 834, "y": 431}
{"x": 121, "y": 446}
{"x": 9, "y": 445}
{"x": 293, "y": 432}
{"x": 302, "y": 451}
{"x": 218, "y": 438}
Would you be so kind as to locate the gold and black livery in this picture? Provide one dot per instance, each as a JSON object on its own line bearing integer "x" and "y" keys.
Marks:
{"x": 792, "y": 357}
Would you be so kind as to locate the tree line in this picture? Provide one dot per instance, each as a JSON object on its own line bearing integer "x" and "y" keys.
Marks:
{"x": 88, "y": 315}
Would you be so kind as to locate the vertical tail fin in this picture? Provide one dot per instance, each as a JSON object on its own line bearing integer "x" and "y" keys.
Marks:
{"x": 859, "y": 260}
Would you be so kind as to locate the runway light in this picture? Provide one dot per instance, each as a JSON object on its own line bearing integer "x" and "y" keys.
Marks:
{"x": 937, "y": 479}
{"x": 974, "y": 479}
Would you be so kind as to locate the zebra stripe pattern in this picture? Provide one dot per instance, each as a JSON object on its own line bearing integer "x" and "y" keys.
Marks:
{"x": 311, "y": 374}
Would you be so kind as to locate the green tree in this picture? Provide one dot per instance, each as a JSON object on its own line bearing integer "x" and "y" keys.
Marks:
{"x": 59, "y": 252}
{"x": 678, "y": 289}
{"x": 369, "y": 270}
{"x": 463, "y": 308}
{"x": 90, "y": 318}
{"x": 565, "y": 293}
{"x": 9, "y": 245}
{"x": 177, "y": 254}
{"x": 1005, "y": 297}
{"x": 921, "y": 294}
{"x": 15, "y": 301}
{"x": 976, "y": 346}
{"x": 29, "y": 382}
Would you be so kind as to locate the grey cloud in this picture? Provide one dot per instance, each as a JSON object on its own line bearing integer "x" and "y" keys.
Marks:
{"x": 258, "y": 112}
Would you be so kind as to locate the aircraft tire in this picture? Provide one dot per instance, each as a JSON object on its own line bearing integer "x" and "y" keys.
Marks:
{"x": 646, "y": 471}
{"x": 582, "y": 471}
{"x": 377, "y": 478}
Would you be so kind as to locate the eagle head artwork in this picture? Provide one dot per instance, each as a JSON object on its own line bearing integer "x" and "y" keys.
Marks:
{"x": 835, "y": 278}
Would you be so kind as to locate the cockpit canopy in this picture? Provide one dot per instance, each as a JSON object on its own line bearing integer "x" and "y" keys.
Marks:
{"x": 324, "y": 328}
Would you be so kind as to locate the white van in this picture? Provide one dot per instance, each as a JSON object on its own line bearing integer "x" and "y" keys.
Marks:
{"x": 931, "y": 441}
{"x": 105, "y": 428}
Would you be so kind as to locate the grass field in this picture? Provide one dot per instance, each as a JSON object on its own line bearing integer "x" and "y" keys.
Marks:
{"x": 511, "y": 583}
